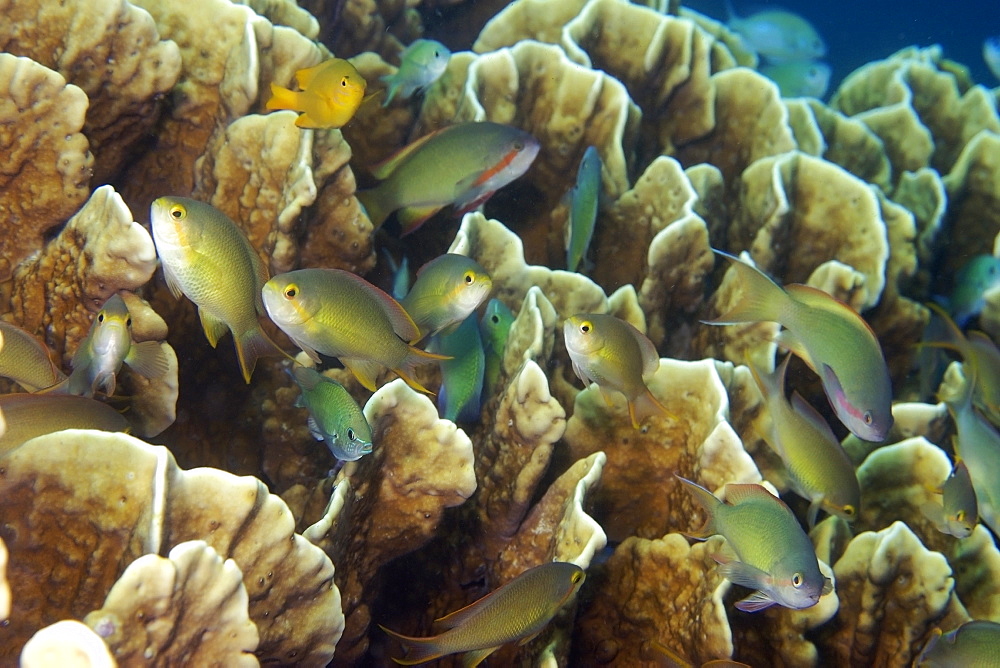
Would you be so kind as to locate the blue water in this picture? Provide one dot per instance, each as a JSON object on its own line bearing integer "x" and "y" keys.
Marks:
{"x": 860, "y": 31}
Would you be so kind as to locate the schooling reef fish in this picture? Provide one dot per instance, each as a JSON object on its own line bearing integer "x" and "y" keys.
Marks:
{"x": 447, "y": 290}
{"x": 958, "y": 513}
{"x": 830, "y": 337}
{"x": 583, "y": 201}
{"x": 519, "y": 610}
{"x": 206, "y": 257}
{"x": 421, "y": 63}
{"x": 819, "y": 468}
{"x": 109, "y": 344}
{"x": 799, "y": 78}
{"x": 24, "y": 360}
{"x": 461, "y": 164}
{"x": 777, "y": 34}
{"x": 974, "y": 644}
{"x": 334, "y": 417}
{"x": 337, "y": 313}
{"x": 25, "y": 416}
{"x": 331, "y": 92}
{"x": 775, "y": 555}
{"x": 612, "y": 353}
{"x": 462, "y": 375}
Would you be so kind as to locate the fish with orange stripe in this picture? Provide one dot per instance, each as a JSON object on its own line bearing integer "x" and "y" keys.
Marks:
{"x": 462, "y": 165}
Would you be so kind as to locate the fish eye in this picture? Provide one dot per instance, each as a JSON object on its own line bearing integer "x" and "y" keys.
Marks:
{"x": 797, "y": 580}
{"x": 469, "y": 277}
{"x": 868, "y": 417}
{"x": 100, "y": 317}
{"x": 585, "y": 327}
{"x": 519, "y": 146}
{"x": 849, "y": 510}
{"x": 576, "y": 577}
{"x": 343, "y": 82}
{"x": 960, "y": 516}
{"x": 495, "y": 319}
{"x": 177, "y": 212}
{"x": 291, "y": 291}
{"x": 128, "y": 322}
{"x": 350, "y": 434}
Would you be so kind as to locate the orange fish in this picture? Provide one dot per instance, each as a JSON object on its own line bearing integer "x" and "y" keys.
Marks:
{"x": 331, "y": 92}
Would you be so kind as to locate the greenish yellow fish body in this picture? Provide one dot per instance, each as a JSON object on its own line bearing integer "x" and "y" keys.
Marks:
{"x": 462, "y": 375}
{"x": 775, "y": 555}
{"x": 25, "y": 416}
{"x": 334, "y": 416}
{"x": 207, "y": 258}
{"x": 584, "y": 198}
{"x": 976, "y": 276}
{"x": 447, "y": 290}
{"x": 820, "y": 469}
{"x": 421, "y": 63}
{"x": 778, "y": 35}
{"x": 799, "y": 78}
{"x": 461, "y": 164}
{"x": 831, "y": 338}
{"x": 518, "y": 610}
{"x": 107, "y": 346}
{"x": 339, "y": 314}
{"x": 958, "y": 512}
{"x": 494, "y": 328}
{"x": 975, "y": 644}
{"x": 331, "y": 93}
{"x": 612, "y": 353}
{"x": 25, "y": 360}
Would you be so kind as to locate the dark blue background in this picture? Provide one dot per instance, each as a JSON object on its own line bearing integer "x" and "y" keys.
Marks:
{"x": 858, "y": 32}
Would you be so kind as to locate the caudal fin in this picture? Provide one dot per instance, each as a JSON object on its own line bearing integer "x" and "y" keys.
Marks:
{"x": 377, "y": 210}
{"x": 283, "y": 98}
{"x": 708, "y": 502}
{"x": 644, "y": 406}
{"x": 762, "y": 299}
{"x": 417, "y": 650}
{"x": 252, "y": 345}
{"x": 417, "y": 357}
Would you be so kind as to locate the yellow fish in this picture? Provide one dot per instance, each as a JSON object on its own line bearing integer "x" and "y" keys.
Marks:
{"x": 25, "y": 416}
{"x": 206, "y": 257}
{"x": 25, "y": 360}
{"x": 447, "y": 290}
{"x": 612, "y": 353}
{"x": 331, "y": 92}
{"x": 519, "y": 610}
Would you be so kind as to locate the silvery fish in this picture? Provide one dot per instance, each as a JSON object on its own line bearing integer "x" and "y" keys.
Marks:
{"x": 207, "y": 258}
{"x": 775, "y": 556}
{"x": 819, "y": 468}
{"x": 420, "y": 65}
{"x": 334, "y": 416}
{"x": 25, "y": 360}
{"x": 462, "y": 165}
{"x": 107, "y": 346}
{"x": 830, "y": 337}
{"x": 958, "y": 512}
{"x": 462, "y": 375}
{"x": 517, "y": 611}
{"x": 612, "y": 353}
{"x": 447, "y": 290}
{"x": 974, "y": 644}
{"x": 777, "y": 34}
{"x": 337, "y": 313}
{"x": 584, "y": 197}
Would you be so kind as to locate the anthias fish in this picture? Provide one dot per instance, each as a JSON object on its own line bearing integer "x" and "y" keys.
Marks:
{"x": 958, "y": 512}
{"x": 421, "y": 63}
{"x": 207, "y": 258}
{"x": 584, "y": 197}
{"x": 331, "y": 93}
{"x": 975, "y": 644}
{"x": 612, "y": 353}
{"x": 25, "y": 416}
{"x": 775, "y": 556}
{"x": 830, "y": 337}
{"x": 334, "y": 416}
{"x": 462, "y": 165}
{"x": 447, "y": 290}
{"x": 342, "y": 315}
{"x": 25, "y": 360}
{"x": 819, "y": 468}
{"x": 462, "y": 375}
{"x": 777, "y": 34}
{"x": 519, "y": 610}
{"x": 107, "y": 346}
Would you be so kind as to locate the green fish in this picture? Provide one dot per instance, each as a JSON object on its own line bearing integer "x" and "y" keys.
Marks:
{"x": 612, "y": 353}
{"x": 447, "y": 290}
{"x": 519, "y": 610}
{"x": 334, "y": 417}
{"x": 819, "y": 467}
{"x": 342, "y": 315}
{"x": 420, "y": 65}
{"x": 976, "y": 276}
{"x": 974, "y": 644}
{"x": 108, "y": 344}
{"x": 977, "y": 443}
{"x": 958, "y": 512}
{"x": 494, "y": 328}
{"x": 25, "y": 416}
{"x": 830, "y": 337}
{"x": 799, "y": 78}
{"x": 777, "y": 34}
{"x": 461, "y": 164}
{"x": 25, "y": 360}
{"x": 584, "y": 198}
{"x": 462, "y": 375}
{"x": 775, "y": 556}
{"x": 206, "y": 257}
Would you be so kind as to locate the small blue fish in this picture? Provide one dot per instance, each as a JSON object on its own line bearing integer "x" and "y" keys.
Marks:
{"x": 462, "y": 375}
{"x": 777, "y": 34}
{"x": 421, "y": 63}
{"x": 976, "y": 276}
{"x": 584, "y": 196}
{"x": 400, "y": 276}
{"x": 991, "y": 54}
{"x": 494, "y": 328}
{"x": 334, "y": 416}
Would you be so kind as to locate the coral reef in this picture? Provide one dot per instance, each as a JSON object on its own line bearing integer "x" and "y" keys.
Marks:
{"x": 875, "y": 198}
